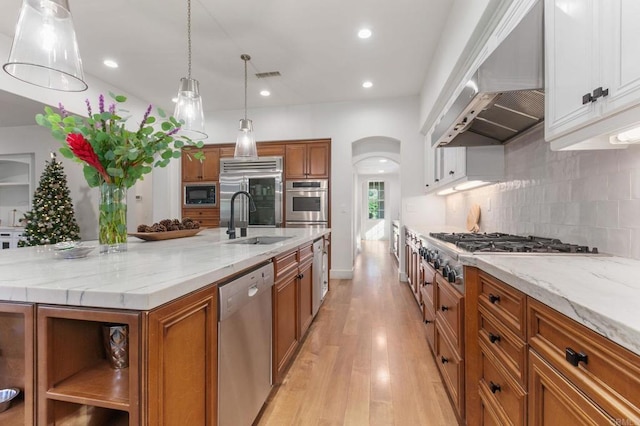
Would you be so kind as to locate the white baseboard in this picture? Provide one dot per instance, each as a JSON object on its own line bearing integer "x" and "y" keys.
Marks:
{"x": 341, "y": 274}
{"x": 403, "y": 277}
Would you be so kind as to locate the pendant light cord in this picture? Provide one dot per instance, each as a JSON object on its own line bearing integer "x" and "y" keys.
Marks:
{"x": 189, "y": 38}
{"x": 245, "y": 89}
{"x": 246, "y": 58}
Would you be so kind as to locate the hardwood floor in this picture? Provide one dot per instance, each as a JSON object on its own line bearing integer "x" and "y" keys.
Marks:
{"x": 365, "y": 360}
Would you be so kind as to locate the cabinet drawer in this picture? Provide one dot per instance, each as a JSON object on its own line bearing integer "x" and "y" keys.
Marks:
{"x": 451, "y": 367}
{"x": 429, "y": 318}
{"x": 490, "y": 413}
{"x": 450, "y": 310}
{"x": 507, "y": 304}
{"x": 506, "y": 347}
{"x": 554, "y": 401}
{"x": 428, "y": 283}
{"x": 497, "y": 386}
{"x": 286, "y": 265}
{"x": 306, "y": 253}
{"x": 611, "y": 374}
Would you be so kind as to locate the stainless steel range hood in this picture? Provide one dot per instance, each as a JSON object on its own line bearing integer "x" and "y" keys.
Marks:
{"x": 505, "y": 97}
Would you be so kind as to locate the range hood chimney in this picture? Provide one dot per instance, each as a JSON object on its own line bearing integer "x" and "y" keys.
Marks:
{"x": 505, "y": 97}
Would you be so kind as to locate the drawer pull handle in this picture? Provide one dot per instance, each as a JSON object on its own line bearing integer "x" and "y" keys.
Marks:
{"x": 493, "y": 298}
{"x": 574, "y": 357}
{"x": 443, "y": 360}
{"x": 444, "y": 308}
{"x": 427, "y": 322}
{"x": 427, "y": 283}
{"x": 300, "y": 276}
{"x": 494, "y": 387}
{"x": 494, "y": 337}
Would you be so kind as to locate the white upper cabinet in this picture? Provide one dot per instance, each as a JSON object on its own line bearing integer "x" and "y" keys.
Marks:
{"x": 592, "y": 70}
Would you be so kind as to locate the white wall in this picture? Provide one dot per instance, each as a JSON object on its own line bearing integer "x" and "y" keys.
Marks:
{"x": 582, "y": 197}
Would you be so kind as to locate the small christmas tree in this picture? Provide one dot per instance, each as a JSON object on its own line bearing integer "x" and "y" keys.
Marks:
{"x": 52, "y": 219}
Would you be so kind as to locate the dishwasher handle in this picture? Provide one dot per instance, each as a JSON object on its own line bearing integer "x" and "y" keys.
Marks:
{"x": 253, "y": 290}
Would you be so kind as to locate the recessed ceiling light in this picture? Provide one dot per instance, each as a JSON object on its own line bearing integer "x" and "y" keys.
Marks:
{"x": 265, "y": 92}
{"x": 380, "y": 171}
{"x": 383, "y": 160}
{"x": 367, "y": 84}
{"x": 364, "y": 33}
{"x": 110, "y": 63}
{"x": 174, "y": 100}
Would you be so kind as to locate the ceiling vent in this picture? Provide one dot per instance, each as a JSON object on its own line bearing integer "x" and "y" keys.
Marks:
{"x": 268, "y": 74}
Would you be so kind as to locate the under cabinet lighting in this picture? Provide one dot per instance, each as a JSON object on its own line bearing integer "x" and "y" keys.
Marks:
{"x": 447, "y": 191}
{"x": 627, "y": 137}
{"x": 469, "y": 185}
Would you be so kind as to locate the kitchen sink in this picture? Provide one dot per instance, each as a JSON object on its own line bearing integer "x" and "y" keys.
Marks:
{"x": 260, "y": 240}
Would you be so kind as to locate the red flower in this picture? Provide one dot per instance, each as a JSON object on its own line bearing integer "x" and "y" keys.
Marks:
{"x": 82, "y": 149}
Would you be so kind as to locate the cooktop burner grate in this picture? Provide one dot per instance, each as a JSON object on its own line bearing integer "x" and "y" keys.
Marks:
{"x": 506, "y": 243}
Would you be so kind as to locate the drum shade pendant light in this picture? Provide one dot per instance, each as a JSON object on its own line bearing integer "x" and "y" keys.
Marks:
{"x": 45, "y": 50}
{"x": 189, "y": 105}
{"x": 246, "y": 142}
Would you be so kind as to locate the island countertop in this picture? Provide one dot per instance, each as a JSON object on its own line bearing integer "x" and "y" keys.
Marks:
{"x": 147, "y": 275}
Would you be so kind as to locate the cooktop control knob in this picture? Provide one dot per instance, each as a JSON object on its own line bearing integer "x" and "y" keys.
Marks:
{"x": 452, "y": 276}
{"x": 436, "y": 263}
{"x": 445, "y": 270}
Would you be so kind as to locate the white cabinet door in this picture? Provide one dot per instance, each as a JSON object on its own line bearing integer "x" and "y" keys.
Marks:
{"x": 453, "y": 163}
{"x": 621, "y": 54}
{"x": 572, "y": 46}
{"x": 430, "y": 166}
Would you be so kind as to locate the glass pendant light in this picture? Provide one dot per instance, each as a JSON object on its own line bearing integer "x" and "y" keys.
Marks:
{"x": 45, "y": 50}
{"x": 189, "y": 105}
{"x": 246, "y": 142}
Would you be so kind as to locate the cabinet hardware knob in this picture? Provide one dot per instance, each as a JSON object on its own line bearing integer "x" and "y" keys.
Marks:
{"x": 494, "y": 337}
{"x": 493, "y": 298}
{"x": 427, "y": 185}
{"x": 443, "y": 360}
{"x": 451, "y": 172}
{"x": 427, "y": 283}
{"x": 574, "y": 357}
{"x": 437, "y": 180}
{"x": 587, "y": 98}
{"x": 444, "y": 308}
{"x": 494, "y": 387}
{"x": 427, "y": 322}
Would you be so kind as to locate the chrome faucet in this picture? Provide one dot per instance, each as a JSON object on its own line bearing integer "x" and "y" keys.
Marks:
{"x": 231, "y": 230}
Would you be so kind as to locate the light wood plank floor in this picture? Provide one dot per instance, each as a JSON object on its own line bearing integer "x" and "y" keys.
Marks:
{"x": 365, "y": 360}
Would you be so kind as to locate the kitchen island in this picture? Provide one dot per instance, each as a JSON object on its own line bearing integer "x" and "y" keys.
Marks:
{"x": 52, "y": 311}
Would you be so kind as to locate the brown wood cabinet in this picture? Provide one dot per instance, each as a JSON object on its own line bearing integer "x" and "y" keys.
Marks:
{"x": 182, "y": 359}
{"x": 76, "y": 384}
{"x": 307, "y": 160}
{"x": 305, "y": 283}
{"x": 532, "y": 365}
{"x": 17, "y": 361}
{"x": 286, "y": 327}
{"x": 207, "y": 217}
{"x": 554, "y": 401}
{"x": 207, "y": 170}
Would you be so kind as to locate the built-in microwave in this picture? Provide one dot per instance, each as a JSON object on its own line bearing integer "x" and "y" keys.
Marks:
{"x": 200, "y": 194}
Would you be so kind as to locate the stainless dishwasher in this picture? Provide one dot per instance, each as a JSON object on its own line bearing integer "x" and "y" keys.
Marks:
{"x": 244, "y": 346}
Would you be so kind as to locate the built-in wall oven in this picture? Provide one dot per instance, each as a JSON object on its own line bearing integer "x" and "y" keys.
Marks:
{"x": 307, "y": 203}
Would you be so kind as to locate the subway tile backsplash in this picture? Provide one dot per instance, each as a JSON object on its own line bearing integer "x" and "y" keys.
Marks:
{"x": 582, "y": 197}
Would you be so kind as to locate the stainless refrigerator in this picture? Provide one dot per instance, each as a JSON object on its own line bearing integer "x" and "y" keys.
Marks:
{"x": 262, "y": 178}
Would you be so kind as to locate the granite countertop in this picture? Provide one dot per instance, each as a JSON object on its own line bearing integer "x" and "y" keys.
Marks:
{"x": 148, "y": 275}
{"x": 601, "y": 292}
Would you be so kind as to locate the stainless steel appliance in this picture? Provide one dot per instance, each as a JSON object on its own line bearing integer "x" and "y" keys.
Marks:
{"x": 307, "y": 202}
{"x": 244, "y": 346}
{"x": 442, "y": 250}
{"x": 262, "y": 178}
{"x": 318, "y": 255}
{"x": 200, "y": 194}
{"x": 505, "y": 97}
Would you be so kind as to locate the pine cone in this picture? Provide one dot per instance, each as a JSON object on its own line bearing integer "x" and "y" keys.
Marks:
{"x": 166, "y": 223}
{"x": 186, "y": 220}
{"x": 142, "y": 228}
{"x": 157, "y": 227}
{"x": 189, "y": 225}
{"x": 173, "y": 227}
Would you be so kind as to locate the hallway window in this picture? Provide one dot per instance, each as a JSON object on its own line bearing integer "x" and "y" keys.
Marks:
{"x": 376, "y": 200}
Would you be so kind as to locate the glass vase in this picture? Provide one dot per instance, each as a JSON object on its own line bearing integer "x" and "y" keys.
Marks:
{"x": 112, "y": 221}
